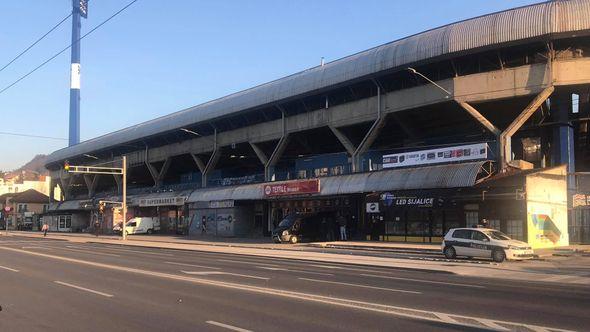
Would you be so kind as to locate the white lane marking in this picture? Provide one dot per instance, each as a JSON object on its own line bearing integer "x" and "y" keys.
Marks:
{"x": 7, "y": 268}
{"x": 445, "y": 318}
{"x": 492, "y": 325}
{"x": 361, "y": 286}
{"x": 423, "y": 281}
{"x": 194, "y": 265}
{"x": 245, "y": 262}
{"x": 223, "y": 273}
{"x": 342, "y": 302}
{"x": 83, "y": 288}
{"x": 293, "y": 270}
{"x": 229, "y": 327}
{"x": 149, "y": 253}
{"x": 33, "y": 247}
{"x": 85, "y": 251}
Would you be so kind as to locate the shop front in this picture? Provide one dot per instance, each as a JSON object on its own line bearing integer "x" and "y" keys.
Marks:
{"x": 170, "y": 209}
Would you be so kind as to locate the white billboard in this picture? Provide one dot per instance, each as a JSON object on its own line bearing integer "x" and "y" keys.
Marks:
{"x": 437, "y": 156}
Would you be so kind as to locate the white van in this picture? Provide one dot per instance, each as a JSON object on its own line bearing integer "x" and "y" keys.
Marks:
{"x": 142, "y": 225}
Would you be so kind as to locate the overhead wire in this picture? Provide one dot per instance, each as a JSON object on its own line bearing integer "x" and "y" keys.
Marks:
{"x": 35, "y": 43}
{"x": 33, "y": 136}
{"x": 66, "y": 48}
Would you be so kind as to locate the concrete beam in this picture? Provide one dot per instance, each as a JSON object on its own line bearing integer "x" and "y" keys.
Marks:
{"x": 200, "y": 164}
{"x": 119, "y": 182}
{"x": 275, "y": 157}
{"x": 348, "y": 145}
{"x": 158, "y": 176}
{"x": 210, "y": 166}
{"x": 480, "y": 118}
{"x": 506, "y": 135}
{"x": 259, "y": 153}
{"x": 91, "y": 181}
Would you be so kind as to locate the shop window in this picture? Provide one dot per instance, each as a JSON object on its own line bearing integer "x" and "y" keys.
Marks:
{"x": 22, "y": 208}
{"x": 319, "y": 172}
{"x": 451, "y": 220}
{"x": 437, "y": 224}
{"x": 494, "y": 224}
{"x": 575, "y": 103}
{"x": 302, "y": 174}
{"x": 471, "y": 218}
{"x": 514, "y": 229}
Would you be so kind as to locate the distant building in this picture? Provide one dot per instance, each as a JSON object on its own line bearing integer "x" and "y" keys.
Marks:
{"x": 24, "y": 181}
{"x": 26, "y": 209}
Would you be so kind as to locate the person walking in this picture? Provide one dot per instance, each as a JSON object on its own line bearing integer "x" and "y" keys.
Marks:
{"x": 44, "y": 229}
{"x": 342, "y": 224}
{"x": 203, "y": 225}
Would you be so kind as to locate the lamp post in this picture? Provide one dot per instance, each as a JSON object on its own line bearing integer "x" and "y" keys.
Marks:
{"x": 415, "y": 72}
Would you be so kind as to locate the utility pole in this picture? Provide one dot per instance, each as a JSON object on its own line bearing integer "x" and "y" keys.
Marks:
{"x": 79, "y": 10}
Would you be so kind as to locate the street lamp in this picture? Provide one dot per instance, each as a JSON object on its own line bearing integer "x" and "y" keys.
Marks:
{"x": 90, "y": 156}
{"x": 191, "y": 132}
{"x": 415, "y": 72}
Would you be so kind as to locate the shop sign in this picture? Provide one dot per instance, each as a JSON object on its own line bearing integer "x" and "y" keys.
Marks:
{"x": 373, "y": 207}
{"x": 581, "y": 200}
{"x": 228, "y": 203}
{"x": 389, "y": 199}
{"x": 162, "y": 201}
{"x": 436, "y": 156}
{"x": 292, "y": 188}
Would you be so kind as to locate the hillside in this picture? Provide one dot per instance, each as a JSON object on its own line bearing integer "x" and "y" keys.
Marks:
{"x": 37, "y": 165}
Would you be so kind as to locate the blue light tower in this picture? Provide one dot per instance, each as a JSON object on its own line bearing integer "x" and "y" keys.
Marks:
{"x": 79, "y": 9}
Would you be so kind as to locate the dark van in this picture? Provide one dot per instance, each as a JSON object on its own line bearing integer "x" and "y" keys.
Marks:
{"x": 296, "y": 227}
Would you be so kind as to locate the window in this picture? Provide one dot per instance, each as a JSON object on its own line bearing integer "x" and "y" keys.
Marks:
{"x": 514, "y": 229}
{"x": 471, "y": 218}
{"x": 302, "y": 174}
{"x": 479, "y": 236}
{"x": 45, "y": 208}
{"x": 462, "y": 234}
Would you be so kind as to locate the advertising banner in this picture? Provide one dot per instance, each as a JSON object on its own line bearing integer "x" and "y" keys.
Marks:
{"x": 546, "y": 195}
{"x": 292, "y": 188}
{"x": 437, "y": 156}
{"x": 391, "y": 200}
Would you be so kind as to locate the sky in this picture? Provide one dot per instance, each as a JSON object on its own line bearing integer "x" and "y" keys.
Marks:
{"x": 158, "y": 57}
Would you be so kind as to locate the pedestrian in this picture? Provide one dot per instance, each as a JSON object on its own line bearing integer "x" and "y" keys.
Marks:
{"x": 203, "y": 225}
{"x": 342, "y": 224}
{"x": 45, "y": 228}
{"x": 96, "y": 227}
{"x": 484, "y": 223}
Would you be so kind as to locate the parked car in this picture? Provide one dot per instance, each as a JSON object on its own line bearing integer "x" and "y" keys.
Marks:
{"x": 485, "y": 243}
{"x": 296, "y": 227}
{"x": 142, "y": 225}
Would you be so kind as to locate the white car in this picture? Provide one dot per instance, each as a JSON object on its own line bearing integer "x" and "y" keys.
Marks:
{"x": 142, "y": 225}
{"x": 484, "y": 242}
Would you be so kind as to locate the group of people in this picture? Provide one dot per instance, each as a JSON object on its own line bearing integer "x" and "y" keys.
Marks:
{"x": 329, "y": 227}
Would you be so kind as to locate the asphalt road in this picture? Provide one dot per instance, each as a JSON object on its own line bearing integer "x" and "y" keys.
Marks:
{"x": 49, "y": 285}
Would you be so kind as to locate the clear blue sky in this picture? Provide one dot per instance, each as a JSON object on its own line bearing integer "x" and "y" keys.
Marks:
{"x": 160, "y": 56}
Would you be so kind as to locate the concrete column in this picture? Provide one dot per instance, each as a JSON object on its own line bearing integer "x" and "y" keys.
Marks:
{"x": 562, "y": 151}
{"x": 269, "y": 168}
{"x": 119, "y": 182}
{"x": 210, "y": 166}
{"x": 91, "y": 181}
{"x": 158, "y": 176}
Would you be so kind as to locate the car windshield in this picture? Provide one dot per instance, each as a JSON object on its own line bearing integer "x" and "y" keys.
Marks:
{"x": 497, "y": 235}
{"x": 288, "y": 221}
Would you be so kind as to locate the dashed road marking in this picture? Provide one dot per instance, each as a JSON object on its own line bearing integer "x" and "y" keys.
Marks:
{"x": 245, "y": 262}
{"x": 83, "y": 288}
{"x": 294, "y": 270}
{"x": 204, "y": 273}
{"x": 8, "y": 268}
{"x": 423, "y": 281}
{"x": 194, "y": 265}
{"x": 361, "y": 286}
{"x": 226, "y": 326}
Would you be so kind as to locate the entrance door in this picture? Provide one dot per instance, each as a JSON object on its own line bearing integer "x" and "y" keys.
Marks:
{"x": 64, "y": 224}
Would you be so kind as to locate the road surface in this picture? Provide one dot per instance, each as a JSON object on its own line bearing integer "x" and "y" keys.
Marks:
{"x": 51, "y": 285}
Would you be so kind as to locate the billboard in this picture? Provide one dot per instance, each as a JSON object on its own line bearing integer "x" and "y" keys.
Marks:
{"x": 292, "y": 188}
{"x": 546, "y": 196}
{"x": 436, "y": 156}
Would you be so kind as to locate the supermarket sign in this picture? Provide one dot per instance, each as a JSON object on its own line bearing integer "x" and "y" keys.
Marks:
{"x": 437, "y": 156}
{"x": 292, "y": 188}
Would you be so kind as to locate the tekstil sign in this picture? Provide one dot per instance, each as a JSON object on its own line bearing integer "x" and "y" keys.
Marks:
{"x": 292, "y": 188}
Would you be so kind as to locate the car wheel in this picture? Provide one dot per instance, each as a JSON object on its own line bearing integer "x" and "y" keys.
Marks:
{"x": 276, "y": 241}
{"x": 450, "y": 252}
{"x": 498, "y": 255}
{"x": 294, "y": 239}
{"x": 150, "y": 231}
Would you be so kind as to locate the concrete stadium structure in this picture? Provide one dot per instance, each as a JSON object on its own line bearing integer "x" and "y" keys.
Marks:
{"x": 516, "y": 83}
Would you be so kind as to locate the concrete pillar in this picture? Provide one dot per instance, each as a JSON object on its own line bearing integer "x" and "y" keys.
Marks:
{"x": 91, "y": 181}
{"x": 562, "y": 151}
{"x": 158, "y": 175}
{"x": 269, "y": 168}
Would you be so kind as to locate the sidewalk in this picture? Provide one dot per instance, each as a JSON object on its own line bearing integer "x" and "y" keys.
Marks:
{"x": 562, "y": 270}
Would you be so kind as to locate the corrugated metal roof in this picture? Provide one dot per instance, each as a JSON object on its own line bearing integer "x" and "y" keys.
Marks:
{"x": 431, "y": 177}
{"x": 494, "y": 29}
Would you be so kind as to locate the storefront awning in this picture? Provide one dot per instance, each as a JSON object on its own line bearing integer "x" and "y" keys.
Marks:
{"x": 431, "y": 177}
